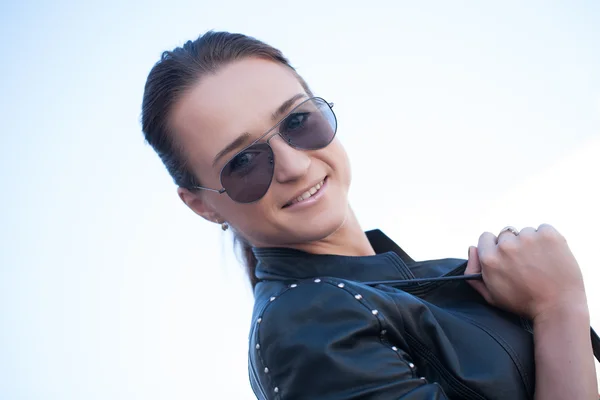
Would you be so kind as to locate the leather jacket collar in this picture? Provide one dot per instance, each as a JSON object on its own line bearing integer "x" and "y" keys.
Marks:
{"x": 389, "y": 263}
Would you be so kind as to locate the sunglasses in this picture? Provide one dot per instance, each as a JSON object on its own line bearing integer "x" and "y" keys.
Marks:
{"x": 247, "y": 176}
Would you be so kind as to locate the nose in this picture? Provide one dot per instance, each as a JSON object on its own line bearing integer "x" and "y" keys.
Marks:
{"x": 290, "y": 163}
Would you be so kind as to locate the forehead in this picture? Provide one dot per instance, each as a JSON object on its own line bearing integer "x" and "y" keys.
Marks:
{"x": 240, "y": 97}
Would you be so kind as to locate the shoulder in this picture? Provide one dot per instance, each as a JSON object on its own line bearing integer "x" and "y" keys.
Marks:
{"x": 330, "y": 334}
{"x": 312, "y": 314}
{"x": 314, "y": 300}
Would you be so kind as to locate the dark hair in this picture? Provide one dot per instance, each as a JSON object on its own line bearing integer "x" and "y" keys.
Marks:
{"x": 175, "y": 73}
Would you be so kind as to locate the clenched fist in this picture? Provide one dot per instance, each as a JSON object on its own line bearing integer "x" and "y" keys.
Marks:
{"x": 529, "y": 273}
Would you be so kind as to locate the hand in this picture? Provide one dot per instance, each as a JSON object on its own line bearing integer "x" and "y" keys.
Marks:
{"x": 529, "y": 274}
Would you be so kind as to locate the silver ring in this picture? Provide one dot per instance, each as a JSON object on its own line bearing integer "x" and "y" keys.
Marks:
{"x": 510, "y": 229}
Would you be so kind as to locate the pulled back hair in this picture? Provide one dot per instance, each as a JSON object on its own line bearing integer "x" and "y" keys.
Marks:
{"x": 173, "y": 75}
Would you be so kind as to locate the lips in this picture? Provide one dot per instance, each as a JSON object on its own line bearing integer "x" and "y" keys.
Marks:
{"x": 307, "y": 193}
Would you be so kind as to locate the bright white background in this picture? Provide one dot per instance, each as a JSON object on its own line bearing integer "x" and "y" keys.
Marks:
{"x": 459, "y": 117}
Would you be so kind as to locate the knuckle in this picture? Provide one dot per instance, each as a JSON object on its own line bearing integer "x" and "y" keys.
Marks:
{"x": 485, "y": 235}
{"x": 527, "y": 236}
{"x": 546, "y": 228}
{"x": 508, "y": 246}
{"x": 489, "y": 259}
{"x": 528, "y": 230}
{"x": 548, "y": 232}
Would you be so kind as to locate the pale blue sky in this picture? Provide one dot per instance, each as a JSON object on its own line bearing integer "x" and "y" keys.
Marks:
{"x": 458, "y": 117}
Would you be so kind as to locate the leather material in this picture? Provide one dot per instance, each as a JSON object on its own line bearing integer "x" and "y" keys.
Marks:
{"x": 321, "y": 331}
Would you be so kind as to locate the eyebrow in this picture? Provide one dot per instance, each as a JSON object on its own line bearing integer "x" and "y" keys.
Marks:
{"x": 286, "y": 105}
{"x": 243, "y": 138}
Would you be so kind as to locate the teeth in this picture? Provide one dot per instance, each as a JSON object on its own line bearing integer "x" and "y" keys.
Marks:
{"x": 308, "y": 193}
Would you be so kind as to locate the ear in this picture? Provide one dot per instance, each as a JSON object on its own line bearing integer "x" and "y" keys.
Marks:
{"x": 198, "y": 205}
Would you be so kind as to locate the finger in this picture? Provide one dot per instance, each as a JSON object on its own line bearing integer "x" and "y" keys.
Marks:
{"x": 507, "y": 233}
{"x": 474, "y": 267}
{"x": 506, "y": 237}
{"x": 486, "y": 247}
{"x": 546, "y": 227}
{"x": 548, "y": 231}
{"x": 527, "y": 233}
{"x": 550, "y": 234}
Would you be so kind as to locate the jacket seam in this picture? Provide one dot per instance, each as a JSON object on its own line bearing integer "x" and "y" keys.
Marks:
{"x": 463, "y": 390}
{"x": 258, "y": 350}
{"x": 509, "y": 350}
{"x": 400, "y": 265}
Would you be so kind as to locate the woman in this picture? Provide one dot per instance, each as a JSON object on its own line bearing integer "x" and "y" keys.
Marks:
{"x": 250, "y": 147}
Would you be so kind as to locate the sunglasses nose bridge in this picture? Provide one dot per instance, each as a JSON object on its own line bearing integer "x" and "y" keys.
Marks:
{"x": 277, "y": 133}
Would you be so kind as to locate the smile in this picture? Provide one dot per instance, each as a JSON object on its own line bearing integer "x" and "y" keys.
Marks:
{"x": 310, "y": 192}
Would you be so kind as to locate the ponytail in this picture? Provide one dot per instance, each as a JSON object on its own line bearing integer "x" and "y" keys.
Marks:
{"x": 248, "y": 258}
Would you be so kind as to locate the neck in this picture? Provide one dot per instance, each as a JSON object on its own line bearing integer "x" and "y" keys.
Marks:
{"x": 348, "y": 240}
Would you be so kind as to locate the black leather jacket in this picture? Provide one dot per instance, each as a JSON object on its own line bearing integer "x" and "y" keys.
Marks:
{"x": 323, "y": 329}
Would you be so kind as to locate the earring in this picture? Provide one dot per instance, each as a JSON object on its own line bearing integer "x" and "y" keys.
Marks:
{"x": 224, "y": 226}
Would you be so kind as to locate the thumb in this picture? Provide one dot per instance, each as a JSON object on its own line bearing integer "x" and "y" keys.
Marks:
{"x": 473, "y": 264}
{"x": 474, "y": 267}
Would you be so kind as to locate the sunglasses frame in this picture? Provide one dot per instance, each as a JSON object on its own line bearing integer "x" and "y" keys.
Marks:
{"x": 223, "y": 190}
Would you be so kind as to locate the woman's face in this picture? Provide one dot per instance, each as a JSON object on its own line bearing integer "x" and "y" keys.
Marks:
{"x": 243, "y": 98}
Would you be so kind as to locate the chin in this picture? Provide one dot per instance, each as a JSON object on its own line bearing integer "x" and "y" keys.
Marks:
{"x": 318, "y": 225}
{"x": 321, "y": 229}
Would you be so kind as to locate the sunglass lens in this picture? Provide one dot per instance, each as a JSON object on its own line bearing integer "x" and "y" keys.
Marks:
{"x": 247, "y": 176}
{"x": 311, "y": 126}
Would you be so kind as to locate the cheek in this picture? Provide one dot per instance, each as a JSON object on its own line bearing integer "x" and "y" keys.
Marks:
{"x": 253, "y": 221}
{"x": 339, "y": 160}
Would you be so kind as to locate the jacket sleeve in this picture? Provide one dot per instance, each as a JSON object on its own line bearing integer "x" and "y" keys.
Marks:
{"x": 323, "y": 340}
